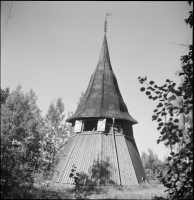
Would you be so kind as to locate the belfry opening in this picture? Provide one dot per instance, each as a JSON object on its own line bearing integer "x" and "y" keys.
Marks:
{"x": 101, "y": 143}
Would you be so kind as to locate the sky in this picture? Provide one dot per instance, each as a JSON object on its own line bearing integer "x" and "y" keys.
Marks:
{"x": 53, "y": 47}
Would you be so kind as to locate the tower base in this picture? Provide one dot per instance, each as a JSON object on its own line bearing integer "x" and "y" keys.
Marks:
{"x": 100, "y": 159}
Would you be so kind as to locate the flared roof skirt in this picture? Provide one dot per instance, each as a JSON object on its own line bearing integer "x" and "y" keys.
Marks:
{"x": 103, "y": 98}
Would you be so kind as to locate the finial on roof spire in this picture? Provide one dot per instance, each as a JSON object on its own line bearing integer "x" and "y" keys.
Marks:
{"x": 106, "y": 23}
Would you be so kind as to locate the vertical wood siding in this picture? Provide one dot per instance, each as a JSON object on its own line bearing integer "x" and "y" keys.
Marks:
{"x": 64, "y": 158}
{"x": 127, "y": 173}
{"x": 101, "y": 159}
{"x": 136, "y": 160}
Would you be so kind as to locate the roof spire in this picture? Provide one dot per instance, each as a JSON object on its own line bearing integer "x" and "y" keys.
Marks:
{"x": 106, "y": 23}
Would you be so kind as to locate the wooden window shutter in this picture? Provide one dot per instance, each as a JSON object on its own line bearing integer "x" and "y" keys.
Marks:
{"x": 78, "y": 126}
{"x": 101, "y": 125}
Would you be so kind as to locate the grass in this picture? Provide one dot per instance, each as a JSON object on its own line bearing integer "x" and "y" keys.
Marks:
{"x": 49, "y": 190}
{"x": 138, "y": 192}
{"x": 143, "y": 191}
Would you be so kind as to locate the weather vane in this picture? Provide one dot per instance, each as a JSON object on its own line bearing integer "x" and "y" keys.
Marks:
{"x": 106, "y": 23}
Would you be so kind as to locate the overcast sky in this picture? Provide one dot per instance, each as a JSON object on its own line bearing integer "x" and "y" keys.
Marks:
{"x": 53, "y": 47}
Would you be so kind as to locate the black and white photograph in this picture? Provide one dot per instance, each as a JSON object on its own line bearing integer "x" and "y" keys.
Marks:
{"x": 97, "y": 100}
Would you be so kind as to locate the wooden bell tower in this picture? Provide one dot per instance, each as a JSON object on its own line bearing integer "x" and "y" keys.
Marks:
{"x": 101, "y": 143}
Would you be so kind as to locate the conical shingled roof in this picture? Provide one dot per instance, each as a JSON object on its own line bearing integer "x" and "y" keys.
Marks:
{"x": 102, "y": 97}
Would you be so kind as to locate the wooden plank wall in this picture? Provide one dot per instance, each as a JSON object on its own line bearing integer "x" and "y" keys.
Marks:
{"x": 64, "y": 159}
{"x": 94, "y": 155}
{"x": 136, "y": 160}
{"x": 127, "y": 173}
{"x": 101, "y": 158}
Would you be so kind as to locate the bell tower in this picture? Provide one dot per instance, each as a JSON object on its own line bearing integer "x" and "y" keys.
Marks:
{"x": 101, "y": 143}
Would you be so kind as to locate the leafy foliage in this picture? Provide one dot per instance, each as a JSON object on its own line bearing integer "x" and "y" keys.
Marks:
{"x": 30, "y": 144}
{"x": 152, "y": 164}
{"x": 80, "y": 99}
{"x": 79, "y": 190}
{"x": 54, "y": 135}
{"x": 175, "y": 125}
{"x": 70, "y": 113}
{"x": 20, "y": 139}
{"x": 4, "y": 95}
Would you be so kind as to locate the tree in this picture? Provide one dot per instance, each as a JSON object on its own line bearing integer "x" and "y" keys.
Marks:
{"x": 152, "y": 165}
{"x": 55, "y": 135}
{"x": 70, "y": 113}
{"x": 68, "y": 125}
{"x": 179, "y": 176}
{"x": 4, "y": 95}
{"x": 80, "y": 99}
{"x": 20, "y": 139}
